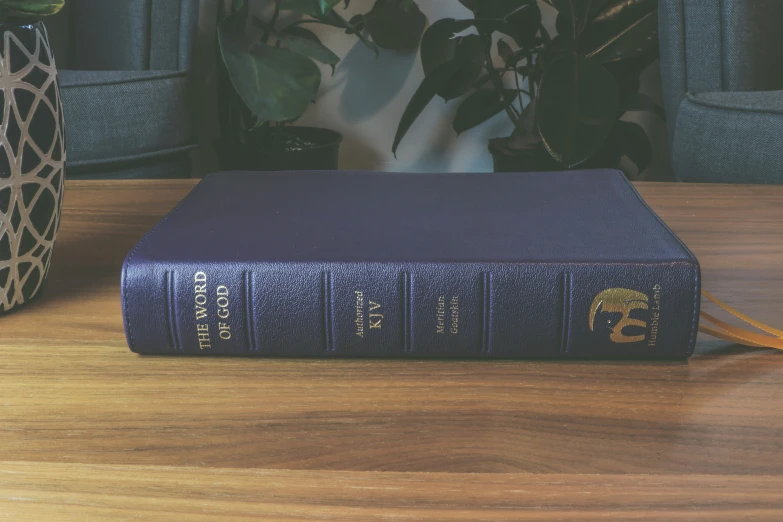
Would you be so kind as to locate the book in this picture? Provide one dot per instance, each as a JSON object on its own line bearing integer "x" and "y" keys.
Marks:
{"x": 331, "y": 264}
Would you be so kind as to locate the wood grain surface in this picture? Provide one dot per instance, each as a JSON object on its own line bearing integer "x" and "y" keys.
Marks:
{"x": 90, "y": 431}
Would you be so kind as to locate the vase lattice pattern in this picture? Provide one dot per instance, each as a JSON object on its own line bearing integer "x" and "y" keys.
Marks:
{"x": 32, "y": 160}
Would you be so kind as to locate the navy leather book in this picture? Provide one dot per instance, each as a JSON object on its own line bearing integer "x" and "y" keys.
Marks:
{"x": 557, "y": 264}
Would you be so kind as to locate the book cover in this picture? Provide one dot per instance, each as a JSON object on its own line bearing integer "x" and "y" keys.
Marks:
{"x": 504, "y": 265}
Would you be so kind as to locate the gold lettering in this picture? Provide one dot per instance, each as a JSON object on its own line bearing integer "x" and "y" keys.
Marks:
{"x": 375, "y": 319}
{"x": 655, "y": 316}
{"x": 654, "y": 323}
{"x": 440, "y": 315}
{"x": 200, "y": 295}
{"x": 359, "y": 321}
{"x": 454, "y": 309}
{"x": 222, "y": 303}
{"x": 202, "y": 331}
{"x": 224, "y": 330}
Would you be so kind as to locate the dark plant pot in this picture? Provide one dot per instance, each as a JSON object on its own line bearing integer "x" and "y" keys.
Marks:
{"x": 32, "y": 160}
{"x": 320, "y": 154}
{"x": 535, "y": 159}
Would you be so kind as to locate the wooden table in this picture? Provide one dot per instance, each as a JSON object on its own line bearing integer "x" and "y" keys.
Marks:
{"x": 89, "y": 431}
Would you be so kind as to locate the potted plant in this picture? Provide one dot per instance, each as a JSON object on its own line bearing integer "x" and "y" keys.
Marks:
{"x": 565, "y": 95}
{"x": 269, "y": 76}
{"x": 32, "y": 150}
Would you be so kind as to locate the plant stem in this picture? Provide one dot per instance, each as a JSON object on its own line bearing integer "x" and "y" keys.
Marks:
{"x": 573, "y": 19}
{"x": 586, "y": 19}
{"x": 272, "y": 23}
{"x": 531, "y": 79}
{"x": 496, "y": 79}
{"x": 519, "y": 92}
{"x": 531, "y": 85}
{"x": 544, "y": 37}
{"x": 309, "y": 21}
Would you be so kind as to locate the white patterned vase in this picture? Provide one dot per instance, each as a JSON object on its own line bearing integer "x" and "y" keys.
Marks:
{"x": 32, "y": 161}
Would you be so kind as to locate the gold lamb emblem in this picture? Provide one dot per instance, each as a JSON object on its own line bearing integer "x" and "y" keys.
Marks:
{"x": 619, "y": 301}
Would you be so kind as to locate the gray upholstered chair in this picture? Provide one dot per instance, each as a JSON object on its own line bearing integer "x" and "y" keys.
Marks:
{"x": 124, "y": 74}
{"x": 722, "y": 71}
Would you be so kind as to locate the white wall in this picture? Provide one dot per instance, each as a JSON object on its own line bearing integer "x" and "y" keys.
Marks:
{"x": 367, "y": 95}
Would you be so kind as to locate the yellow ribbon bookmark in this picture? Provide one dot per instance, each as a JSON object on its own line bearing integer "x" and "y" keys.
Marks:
{"x": 727, "y": 332}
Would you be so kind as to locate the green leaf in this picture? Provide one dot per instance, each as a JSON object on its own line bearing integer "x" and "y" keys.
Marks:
{"x": 357, "y": 24}
{"x": 275, "y": 84}
{"x": 306, "y": 43}
{"x": 588, "y": 8}
{"x": 574, "y": 16}
{"x": 395, "y": 24}
{"x": 519, "y": 19}
{"x": 629, "y": 139}
{"x": 480, "y": 106}
{"x": 576, "y": 109}
{"x": 501, "y": 9}
{"x": 335, "y": 20}
{"x": 525, "y": 23}
{"x": 470, "y": 55}
{"x": 623, "y": 29}
{"x": 623, "y": 11}
{"x": 439, "y": 46}
{"x": 642, "y": 102}
{"x": 470, "y": 4}
{"x": 627, "y": 73}
{"x": 484, "y": 79}
{"x": 560, "y": 46}
{"x": 471, "y": 48}
{"x": 263, "y": 24}
{"x": 429, "y": 87}
{"x": 31, "y": 7}
{"x": 505, "y": 52}
{"x": 596, "y": 6}
{"x": 564, "y": 26}
{"x": 316, "y": 8}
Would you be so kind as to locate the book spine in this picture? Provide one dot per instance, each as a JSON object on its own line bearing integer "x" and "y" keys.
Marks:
{"x": 503, "y": 310}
